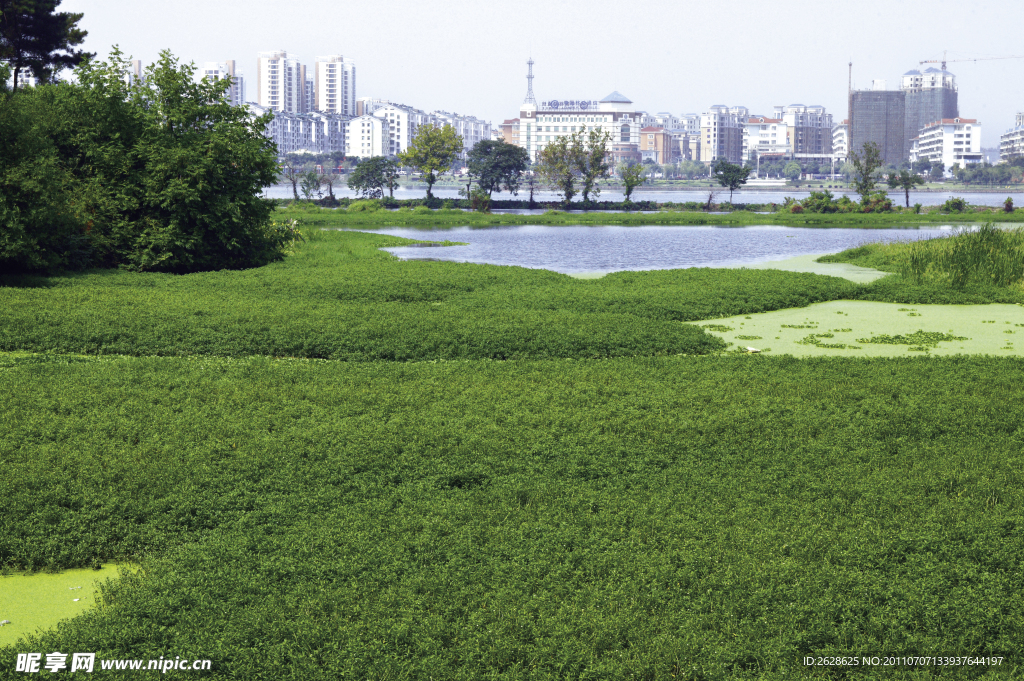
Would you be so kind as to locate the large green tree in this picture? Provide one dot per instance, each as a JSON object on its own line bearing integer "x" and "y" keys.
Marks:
{"x": 35, "y": 37}
{"x": 498, "y": 165}
{"x": 864, "y": 166}
{"x": 433, "y": 150}
{"x": 731, "y": 176}
{"x": 558, "y": 164}
{"x": 632, "y": 175}
{"x": 372, "y": 176}
{"x": 592, "y": 162}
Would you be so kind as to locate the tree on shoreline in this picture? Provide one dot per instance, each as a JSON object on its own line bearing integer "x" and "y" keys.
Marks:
{"x": 592, "y": 162}
{"x": 558, "y": 164}
{"x": 632, "y": 175}
{"x": 432, "y": 151}
{"x": 497, "y": 165}
{"x": 904, "y": 180}
{"x": 864, "y": 167}
{"x": 731, "y": 176}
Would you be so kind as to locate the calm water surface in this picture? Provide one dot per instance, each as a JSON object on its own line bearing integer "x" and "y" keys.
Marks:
{"x": 610, "y": 248}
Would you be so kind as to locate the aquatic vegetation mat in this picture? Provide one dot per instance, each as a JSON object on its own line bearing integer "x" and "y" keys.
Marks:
{"x": 703, "y": 517}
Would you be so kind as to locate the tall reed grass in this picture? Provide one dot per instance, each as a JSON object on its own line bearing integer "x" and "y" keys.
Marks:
{"x": 987, "y": 255}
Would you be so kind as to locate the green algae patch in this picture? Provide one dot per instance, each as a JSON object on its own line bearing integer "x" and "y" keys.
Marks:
{"x": 31, "y": 602}
{"x": 873, "y": 329}
{"x": 810, "y": 264}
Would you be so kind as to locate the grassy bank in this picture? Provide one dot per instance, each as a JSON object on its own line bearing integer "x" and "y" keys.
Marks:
{"x": 704, "y": 518}
{"x": 425, "y": 217}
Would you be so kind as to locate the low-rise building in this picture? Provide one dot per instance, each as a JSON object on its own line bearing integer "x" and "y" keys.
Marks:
{"x": 1011, "y": 142}
{"x": 510, "y": 131}
{"x": 657, "y": 145}
{"x": 953, "y": 141}
{"x": 544, "y": 123}
{"x": 764, "y": 136}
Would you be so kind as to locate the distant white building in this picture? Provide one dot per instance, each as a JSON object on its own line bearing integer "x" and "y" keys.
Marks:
{"x": 543, "y": 124}
{"x": 1011, "y": 142}
{"x": 368, "y": 136}
{"x": 25, "y": 78}
{"x": 281, "y": 82}
{"x": 225, "y": 70}
{"x": 315, "y": 132}
{"x": 810, "y": 130}
{"x": 470, "y": 128}
{"x": 690, "y": 122}
{"x": 764, "y": 136}
{"x": 841, "y": 141}
{"x": 953, "y": 141}
{"x": 403, "y": 122}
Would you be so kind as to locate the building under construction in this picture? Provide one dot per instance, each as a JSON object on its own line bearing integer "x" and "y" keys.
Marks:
{"x": 930, "y": 97}
{"x": 879, "y": 115}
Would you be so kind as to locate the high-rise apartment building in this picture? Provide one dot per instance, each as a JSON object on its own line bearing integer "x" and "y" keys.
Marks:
{"x": 930, "y": 96}
{"x": 879, "y": 116}
{"x": 721, "y": 133}
{"x": 335, "y": 85}
{"x": 225, "y": 70}
{"x": 281, "y": 82}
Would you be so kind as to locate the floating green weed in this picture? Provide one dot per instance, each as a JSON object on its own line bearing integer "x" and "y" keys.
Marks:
{"x": 722, "y": 328}
{"x": 918, "y": 338}
{"x": 749, "y": 337}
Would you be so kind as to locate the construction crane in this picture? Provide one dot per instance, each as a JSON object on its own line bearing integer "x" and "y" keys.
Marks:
{"x": 944, "y": 60}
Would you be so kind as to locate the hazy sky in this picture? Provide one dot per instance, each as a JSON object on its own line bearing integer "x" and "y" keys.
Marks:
{"x": 469, "y": 56}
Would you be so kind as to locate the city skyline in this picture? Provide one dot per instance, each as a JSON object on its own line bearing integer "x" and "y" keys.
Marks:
{"x": 667, "y": 58}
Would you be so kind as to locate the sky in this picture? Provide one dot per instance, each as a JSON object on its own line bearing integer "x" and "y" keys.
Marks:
{"x": 680, "y": 56}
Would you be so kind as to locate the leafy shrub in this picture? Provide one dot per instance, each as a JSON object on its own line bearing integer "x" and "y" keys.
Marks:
{"x": 163, "y": 174}
{"x": 954, "y": 204}
{"x": 876, "y": 202}
{"x": 365, "y": 206}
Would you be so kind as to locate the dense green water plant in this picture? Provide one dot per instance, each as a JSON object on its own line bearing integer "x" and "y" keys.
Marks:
{"x": 708, "y": 518}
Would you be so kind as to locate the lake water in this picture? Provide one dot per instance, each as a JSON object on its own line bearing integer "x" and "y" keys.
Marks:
{"x": 611, "y": 248}
{"x": 661, "y": 196}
